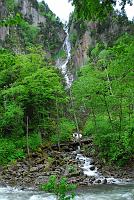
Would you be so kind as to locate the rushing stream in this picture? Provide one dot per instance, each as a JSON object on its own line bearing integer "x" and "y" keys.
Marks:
{"x": 116, "y": 189}
{"x": 120, "y": 190}
{"x": 100, "y": 192}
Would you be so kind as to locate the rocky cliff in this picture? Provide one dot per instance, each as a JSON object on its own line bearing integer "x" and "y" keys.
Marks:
{"x": 39, "y": 26}
{"x": 84, "y": 35}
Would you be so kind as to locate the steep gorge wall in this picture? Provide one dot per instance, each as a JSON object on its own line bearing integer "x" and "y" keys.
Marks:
{"x": 29, "y": 10}
{"x": 41, "y": 26}
{"x": 84, "y": 35}
{"x": 3, "y": 14}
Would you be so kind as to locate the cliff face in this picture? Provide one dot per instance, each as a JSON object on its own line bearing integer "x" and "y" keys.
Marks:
{"x": 29, "y": 10}
{"x": 3, "y": 13}
{"x": 85, "y": 35}
{"x": 40, "y": 26}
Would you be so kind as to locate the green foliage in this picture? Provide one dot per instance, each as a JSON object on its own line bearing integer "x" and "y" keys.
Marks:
{"x": 105, "y": 90}
{"x": 61, "y": 54}
{"x": 73, "y": 38}
{"x": 65, "y": 128}
{"x": 11, "y": 20}
{"x": 28, "y": 32}
{"x": 88, "y": 128}
{"x": 24, "y": 32}
{"x": 14, "y": 148}
{"x": 96, "y": 9}
{"x": 34, "y": 141}
{"x": 49, "y": 34}
{"x": 10, "y": 4}
{"x": 13, "y": 114}
{"x": 28, "y": 87}
{"x": 46, "y": 12}
{"x": 9, "y": 151}
{"x": 60, "y": 189}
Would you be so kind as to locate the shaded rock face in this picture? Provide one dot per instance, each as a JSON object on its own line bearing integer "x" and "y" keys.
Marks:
{"x": 29, "y": 10}
{"x": 3, "y": 13}
{"x": 3, "y": 32}
{"x": 50, "y": 32}
{"x": 85, "y": 35}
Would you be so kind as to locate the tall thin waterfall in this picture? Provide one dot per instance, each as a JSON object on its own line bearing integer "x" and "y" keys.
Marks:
{"x": 85, "y": 163}
{"x": 68, "y": 77}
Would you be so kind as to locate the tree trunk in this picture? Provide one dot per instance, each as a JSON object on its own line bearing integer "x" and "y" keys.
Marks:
{"x": 108, "y": 113}
{"x": 94, "y": 118}
{"x": 58, "y": 131}
{"x": 27, "y": 136}
{"x": 120, "y": 115}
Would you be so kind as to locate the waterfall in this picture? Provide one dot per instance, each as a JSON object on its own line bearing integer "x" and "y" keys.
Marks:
{"x": 68, "y": 77}
{"x": 85, "y": 163}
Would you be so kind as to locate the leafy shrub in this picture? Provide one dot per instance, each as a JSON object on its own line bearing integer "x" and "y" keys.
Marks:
{"x": 59, "y": 188}
{"x": 88, "y": 128}
{"x": 105, "y": 88}
{"x": 66, "y": 128}
{"x": 14, "y": 148}
{"x": 9, "y": 151}
{"x": 34, "y": 141}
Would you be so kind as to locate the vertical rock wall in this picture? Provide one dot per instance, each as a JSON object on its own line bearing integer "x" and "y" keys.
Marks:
{"x": 88, "y": 34}
{"x": 50, "y": 33}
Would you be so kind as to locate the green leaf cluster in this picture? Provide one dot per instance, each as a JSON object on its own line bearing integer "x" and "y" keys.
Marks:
{"x": 11, "y": 20}
{"x": 104, "y": 95}
{"x": 29, "y": 87}
{"x": 96, "y": 9}
{"x": 59, "y": 188}
{"x": 65, "y": 130}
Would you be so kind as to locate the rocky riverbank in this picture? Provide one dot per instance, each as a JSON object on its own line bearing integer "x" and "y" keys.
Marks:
{"x": 37, "y": 168}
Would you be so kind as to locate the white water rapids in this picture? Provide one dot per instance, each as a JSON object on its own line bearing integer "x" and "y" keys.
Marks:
{"x": 121, "y": 190}
{"x": 101, "y": 192}
{"x": 90, "y": 170}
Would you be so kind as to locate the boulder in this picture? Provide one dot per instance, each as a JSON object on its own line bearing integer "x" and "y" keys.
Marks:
{"x": 92, "y": 168}
{"x": 104, "y": 181}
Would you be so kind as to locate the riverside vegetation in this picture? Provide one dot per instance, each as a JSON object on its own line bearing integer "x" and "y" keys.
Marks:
{"x": 31, "y": 88}
{"x": 60, "y": 189}
{"x": 35, "y": 107}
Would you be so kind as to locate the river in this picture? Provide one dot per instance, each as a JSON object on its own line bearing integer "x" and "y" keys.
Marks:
{"x": 98, "y": 192}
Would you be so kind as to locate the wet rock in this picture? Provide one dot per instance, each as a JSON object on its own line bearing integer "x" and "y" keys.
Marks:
{"x": 104, "y": 181}
{"x": 92, "y": 162}
{"x": 99, "y": 166}
{"x": 72, "y": 180}
{"x": 92, "y": 168}
{"x": 37, "y": 170}
{"x": 2, "y": 184}
{"x": 92, "y": 179}
{"x": 81, "y": 172}
{"x": 83, "y": 183}
{"x": 19, "y": 165}
{"x": 40, "y": 161}
{"x": 33, "y": 169}
{"x": 97, "y": 181}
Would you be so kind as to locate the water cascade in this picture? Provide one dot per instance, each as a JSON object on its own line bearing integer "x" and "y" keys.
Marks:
{"x": 122, "y": 191}
{"x": 86, "y": 164}
{"x": 63, "y": 66}
{"x": 90, "y": 170}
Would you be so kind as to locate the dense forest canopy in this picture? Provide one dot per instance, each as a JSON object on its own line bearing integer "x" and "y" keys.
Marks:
{"x": 35, "y": 106}
{"x": 96, "y": 9}
{"x": 104, "y": 97}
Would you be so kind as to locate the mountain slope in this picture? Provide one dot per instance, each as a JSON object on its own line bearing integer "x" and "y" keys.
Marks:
{"x": 39, "y": 27}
